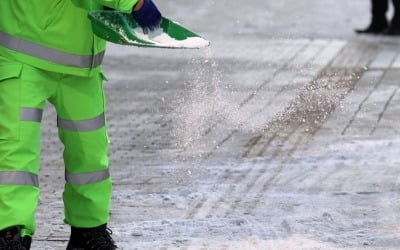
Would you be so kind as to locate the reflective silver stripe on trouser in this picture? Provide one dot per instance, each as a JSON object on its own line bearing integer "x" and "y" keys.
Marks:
{"x": 31, "y": 114}
{"x": 82, "y": 125}
{"x": 18, "y": 178}
{"x": 50, "y": 54}
{"x": 87, "y": 178}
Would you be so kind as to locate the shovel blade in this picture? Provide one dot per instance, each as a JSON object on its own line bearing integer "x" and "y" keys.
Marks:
{"x": 121, "y": 28}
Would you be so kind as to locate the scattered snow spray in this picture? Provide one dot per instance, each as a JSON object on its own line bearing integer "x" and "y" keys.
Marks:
{"x": 196, "y": 108}
{"x": 209, "y": 106}
{"x": 207, "y": 101}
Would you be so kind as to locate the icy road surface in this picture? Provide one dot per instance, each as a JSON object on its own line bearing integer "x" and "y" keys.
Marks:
{"x": 284, "y": 134}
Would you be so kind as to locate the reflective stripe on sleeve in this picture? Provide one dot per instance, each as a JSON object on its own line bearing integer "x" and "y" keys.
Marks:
{"x": 50, "y": 54}
{"x": 87, "y": 178}
{"x": 31, "y": 114}
{"x": 82, "y": 125}
{"x": 18, "y": 178}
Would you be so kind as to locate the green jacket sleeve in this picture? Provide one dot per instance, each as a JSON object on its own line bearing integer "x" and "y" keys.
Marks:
{"x": 121, "y": 5}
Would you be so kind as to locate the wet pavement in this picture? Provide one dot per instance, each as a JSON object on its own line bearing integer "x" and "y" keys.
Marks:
{"x": 281, "y": 135}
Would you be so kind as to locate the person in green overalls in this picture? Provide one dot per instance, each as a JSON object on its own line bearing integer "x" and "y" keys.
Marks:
{"x": 48, "y": 52}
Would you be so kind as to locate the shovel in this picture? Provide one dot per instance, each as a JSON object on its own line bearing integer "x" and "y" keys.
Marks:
{"x": 121, "y": 28}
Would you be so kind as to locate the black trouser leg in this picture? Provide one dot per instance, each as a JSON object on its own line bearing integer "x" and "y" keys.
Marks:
{"x": 379, "y": 9}
{"x": 395, "y": 23}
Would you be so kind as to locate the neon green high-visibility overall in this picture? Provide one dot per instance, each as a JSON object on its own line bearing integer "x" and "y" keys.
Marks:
{"x": 48, "y": 52}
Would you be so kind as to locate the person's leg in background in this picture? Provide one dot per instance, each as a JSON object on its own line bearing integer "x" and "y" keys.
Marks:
{"x": 379, "y": 23}
{"x": 80, "y": 105}
{"x": 394, "y": 28}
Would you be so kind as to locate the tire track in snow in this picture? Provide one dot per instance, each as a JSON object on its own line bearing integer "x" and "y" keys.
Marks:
{"x": 246, "y": 181}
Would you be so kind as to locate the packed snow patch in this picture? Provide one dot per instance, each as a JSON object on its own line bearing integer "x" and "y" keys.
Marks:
{"x": 162, "y": 39}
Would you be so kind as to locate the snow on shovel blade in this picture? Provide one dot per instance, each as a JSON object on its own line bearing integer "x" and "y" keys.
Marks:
{"x": 121, "y": 28}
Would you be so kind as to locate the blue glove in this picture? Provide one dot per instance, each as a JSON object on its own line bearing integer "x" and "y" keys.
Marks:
{"x": 148, "y": 16}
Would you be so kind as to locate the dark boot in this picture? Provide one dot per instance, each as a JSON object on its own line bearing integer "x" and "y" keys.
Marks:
{"x": 98, "y": 238}
{"x": 10, "y": 239}
{"x": 379, "y": 23}
{"x": 393, "y": 31}
{"x": 373, "y": 29}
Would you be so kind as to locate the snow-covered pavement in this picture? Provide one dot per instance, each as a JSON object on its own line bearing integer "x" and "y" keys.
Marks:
{"x": 282, "y": 135}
